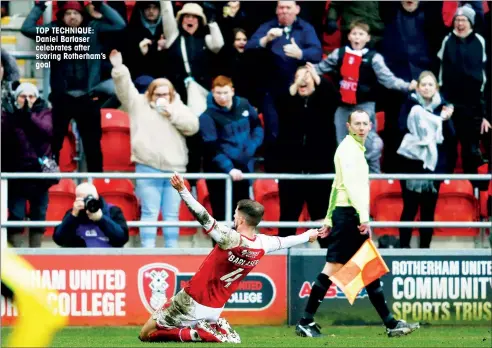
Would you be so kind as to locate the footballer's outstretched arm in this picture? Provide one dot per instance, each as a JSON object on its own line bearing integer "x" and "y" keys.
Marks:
{"x": 225, "y": 237}
{"x": 274, "y": 243}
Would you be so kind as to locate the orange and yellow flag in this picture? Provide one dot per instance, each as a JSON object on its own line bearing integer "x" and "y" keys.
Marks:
{"x": 364, "y": 267}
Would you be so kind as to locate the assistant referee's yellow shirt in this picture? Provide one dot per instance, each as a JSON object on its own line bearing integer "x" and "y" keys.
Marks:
{"x": 351, "y": 185}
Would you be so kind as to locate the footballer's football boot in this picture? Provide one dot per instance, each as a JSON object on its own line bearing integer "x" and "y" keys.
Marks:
{"x": 309, "y": 330}
{"x": 402, "y": 328}
{"x": 224, "y": 327}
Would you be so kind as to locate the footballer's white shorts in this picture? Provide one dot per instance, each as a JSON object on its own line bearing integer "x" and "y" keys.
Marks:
{"x": 183, "y": 311}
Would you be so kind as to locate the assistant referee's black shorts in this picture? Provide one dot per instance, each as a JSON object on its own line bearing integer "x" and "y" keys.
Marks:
{"x": 344, "y": 239}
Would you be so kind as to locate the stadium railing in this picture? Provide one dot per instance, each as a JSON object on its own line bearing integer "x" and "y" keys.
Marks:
{"x": 228, "y": 197}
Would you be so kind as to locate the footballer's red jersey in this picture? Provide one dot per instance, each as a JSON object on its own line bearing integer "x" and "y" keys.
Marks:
{"x": 221, "y": 273}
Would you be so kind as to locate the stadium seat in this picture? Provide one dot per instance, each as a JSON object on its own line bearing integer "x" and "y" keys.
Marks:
{"x": 380, "y": 121}
{"x": 203, "y": 196}
{"x": 484, "y": 195}
{"x": 61, "y": 198}
{"x": 304, "y": 217}
{"x": 68, "y": 153}
{"x": 121, "y": 193}
{"x": 266, "y": 193}
{"x": 386, "y": 204}
{"x": 260, "y": 116}
{"x": 115, "y": 142}
{"x": 456, "y": 202}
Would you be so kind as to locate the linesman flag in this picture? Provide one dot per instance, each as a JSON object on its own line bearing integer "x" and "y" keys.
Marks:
{"x": 364, "y": 267}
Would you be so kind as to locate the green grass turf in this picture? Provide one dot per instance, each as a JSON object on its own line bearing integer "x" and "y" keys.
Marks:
{"x": 336, "y": 336}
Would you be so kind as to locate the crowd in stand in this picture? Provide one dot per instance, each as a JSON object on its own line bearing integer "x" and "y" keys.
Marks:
{"x": 195, "y": 77}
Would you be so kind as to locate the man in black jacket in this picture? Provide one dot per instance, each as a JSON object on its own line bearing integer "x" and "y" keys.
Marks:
{"x": 462, "y": 79}
{"x": 306, "y": 145}
{"x": 74, "y": 73}
{"x": 91, "y": 223}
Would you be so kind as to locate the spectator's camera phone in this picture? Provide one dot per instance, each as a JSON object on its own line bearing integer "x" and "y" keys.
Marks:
{"x": 92, "y": 204}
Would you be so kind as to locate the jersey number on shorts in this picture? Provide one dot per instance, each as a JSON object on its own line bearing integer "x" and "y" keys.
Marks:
{"x": 230, "y": 277}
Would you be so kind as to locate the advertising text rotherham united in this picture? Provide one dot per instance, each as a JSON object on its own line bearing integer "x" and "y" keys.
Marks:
{"x": 193, "y": 314}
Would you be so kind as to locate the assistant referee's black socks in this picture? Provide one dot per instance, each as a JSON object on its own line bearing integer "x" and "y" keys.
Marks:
{"x": 318, "y": 292}
{"x": 376, "y": 295}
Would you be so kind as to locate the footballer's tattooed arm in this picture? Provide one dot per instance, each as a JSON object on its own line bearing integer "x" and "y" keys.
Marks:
{"x": 224, "y": 236}
{"x": 197, "y": 210}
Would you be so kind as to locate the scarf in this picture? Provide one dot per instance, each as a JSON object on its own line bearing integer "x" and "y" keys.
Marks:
{"x": 349, "y": 72}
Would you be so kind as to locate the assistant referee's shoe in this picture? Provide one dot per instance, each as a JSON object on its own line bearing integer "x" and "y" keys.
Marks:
{"x": 309, "y": 330}
{"x": 402, "y": 328}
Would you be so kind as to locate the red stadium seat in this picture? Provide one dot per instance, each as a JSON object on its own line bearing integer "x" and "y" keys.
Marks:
{"x": 121, "y": 193}
{"x": 68, "y": 153}
{"x": 260, "y": 116}
{"x": 456, "y": 202}
{"x": 304, "y": 217}
{"x": 484, "y": 195}
{"x": 266, "y": 193}
{"x": 330, "y": 42}
{"x": 115, "y": 142}
{"x": 380, "y": 121}
{"x": 386, "y": 204}
{"x": 61, "y": 198}
{"x": 203, "y": 196}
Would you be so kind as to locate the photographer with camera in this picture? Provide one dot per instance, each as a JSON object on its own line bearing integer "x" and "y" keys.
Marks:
{"x": 91, "y": 223}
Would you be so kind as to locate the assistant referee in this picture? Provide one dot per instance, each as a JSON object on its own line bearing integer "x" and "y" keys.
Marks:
{"x": 346, "y": 228}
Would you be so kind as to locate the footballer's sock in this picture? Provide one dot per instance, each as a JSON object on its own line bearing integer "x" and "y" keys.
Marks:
{"x": 173, "y": 335}
{"x": 376, "y": 295}
{"x": 318, "y": 292}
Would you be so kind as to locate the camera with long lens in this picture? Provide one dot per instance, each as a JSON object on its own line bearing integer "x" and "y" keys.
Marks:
{"x": 92, "y": 204}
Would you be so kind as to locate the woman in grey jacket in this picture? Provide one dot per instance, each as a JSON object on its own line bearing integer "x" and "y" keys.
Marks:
{"x": 424, "y": 110}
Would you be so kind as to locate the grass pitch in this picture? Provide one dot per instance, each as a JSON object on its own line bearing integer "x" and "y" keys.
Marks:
{"x": 336, "y": 336}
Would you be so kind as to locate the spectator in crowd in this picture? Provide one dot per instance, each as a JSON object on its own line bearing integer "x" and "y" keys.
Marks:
{"x": 202, "y": 42}
{"x": 235, "y": 63}
{"x": 159, "y": 123}
{"x": 233, "y": 16}
{"x": 349, "y": 11}
{"x": 285, "y": 43}
{"x": 9, "y": 75}
{"x": 462, "y": 80}
{"x": 104, "y": 92}
{"x": 450, "y": 7}
{"x": 231, "y": 132}
{"x": 191, "y": 26}
{"x": 413, "y": 33}
{"x": 306, "y": 139}
{"x": 73, "y": 80}
{"x": 26, "y": 136}
{"x": 358, "y": 70}
{"x": 428, "y": 147}
{"x": 487, "y": 138}
{"x": 92, "y": 222}
{"x": 145, "y": 53}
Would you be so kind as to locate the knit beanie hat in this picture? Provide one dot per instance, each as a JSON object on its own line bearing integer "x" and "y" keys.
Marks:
{"x": 27, "y": 88}
{"x": 73, "y": 5}
{"x": 466, "y": 11}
